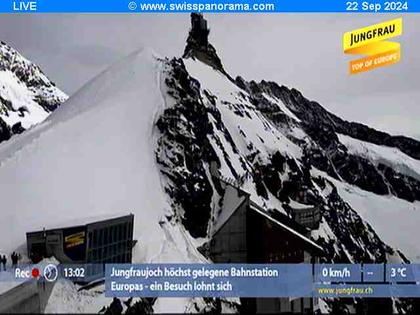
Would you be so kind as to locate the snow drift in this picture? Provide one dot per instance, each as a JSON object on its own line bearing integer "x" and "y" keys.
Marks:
{"x": 93, "y": 156}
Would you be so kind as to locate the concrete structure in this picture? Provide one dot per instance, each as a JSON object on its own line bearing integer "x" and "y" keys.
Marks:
{"x": 30, "y": 297}
{"x": 244, "y": 232}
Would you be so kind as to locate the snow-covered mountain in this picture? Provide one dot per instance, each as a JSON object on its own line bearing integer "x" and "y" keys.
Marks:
{"x": 144, "y": 135}
{"x": 27, "y": 96}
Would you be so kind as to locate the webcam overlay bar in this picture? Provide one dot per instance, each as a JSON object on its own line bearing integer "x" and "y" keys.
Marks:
{"x": 184, "y": 6}
{"x": 232, "y": 280}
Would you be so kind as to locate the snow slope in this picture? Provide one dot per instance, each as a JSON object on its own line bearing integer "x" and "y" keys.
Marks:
{"x": 95, "y": 157}
{"x": 27, "y": 96}
{"x": 388, "y": 156}
{"x": 250, "y": 132}
{"x": 14, "y": 91}
{"x": 92, "y": 157}
{"x": 245, "y": 140}
{"x": 395, "y": 220}
{"x": 257, "y": 129}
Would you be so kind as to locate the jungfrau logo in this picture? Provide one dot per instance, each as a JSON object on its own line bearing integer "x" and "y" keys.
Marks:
{"x": 371, "y": 41}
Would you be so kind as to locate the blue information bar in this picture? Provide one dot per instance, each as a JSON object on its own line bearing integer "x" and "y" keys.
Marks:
{"x": 174, "y": 6}
{"x": 232, "y": 280}
{"x": 208, "y": 280}
{"x": 262, "y": 280}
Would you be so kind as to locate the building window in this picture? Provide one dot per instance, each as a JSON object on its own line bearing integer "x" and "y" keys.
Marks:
{"x": 100, "y": 237}
{"x": 106, "y": 240}
{"x": 117, "y": 231}
{"x": 90, "y": 239}
{"x": 110, "y": 236}
{"x": 120, "y": 232}
{"x": 124, "y": 231}
{"x": 95, "y": 238}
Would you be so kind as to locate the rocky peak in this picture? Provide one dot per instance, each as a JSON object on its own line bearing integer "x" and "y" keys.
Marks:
{"x": 27, "y": 96}
{"x": 198, "y": 46}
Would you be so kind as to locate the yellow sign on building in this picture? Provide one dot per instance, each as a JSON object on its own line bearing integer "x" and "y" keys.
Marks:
{"x": 75, "y": 239}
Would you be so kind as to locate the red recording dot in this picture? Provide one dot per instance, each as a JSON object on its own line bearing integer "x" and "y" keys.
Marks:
{"x": 35, "y": 273}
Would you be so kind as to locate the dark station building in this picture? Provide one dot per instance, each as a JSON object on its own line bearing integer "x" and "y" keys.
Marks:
{"x": 244, "y": 232}
{"x": 104, "y": 241}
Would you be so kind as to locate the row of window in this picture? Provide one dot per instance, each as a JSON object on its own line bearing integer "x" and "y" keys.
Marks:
{"x": 110, "y": 234}
{"x": 106, "y": 252}
{"x": 111, "y": 244}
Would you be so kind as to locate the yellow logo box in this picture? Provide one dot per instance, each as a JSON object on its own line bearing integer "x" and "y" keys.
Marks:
{"x": 371, "y": 41}
{"x": 74, "y": 239}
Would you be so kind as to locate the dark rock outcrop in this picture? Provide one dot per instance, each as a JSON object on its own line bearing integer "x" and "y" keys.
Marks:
{"x": 21, "y": 72}
{"x": 202, "y": 135}
{"x": 327, "y": 153}
{"x": 5, "y": 132}
{"x": 198, "y": 45}
{"x": 312, "y": 113}
{"x": 183, "y": 149}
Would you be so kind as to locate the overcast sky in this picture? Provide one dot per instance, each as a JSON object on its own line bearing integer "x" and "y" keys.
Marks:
{"x": 301, "y": 51}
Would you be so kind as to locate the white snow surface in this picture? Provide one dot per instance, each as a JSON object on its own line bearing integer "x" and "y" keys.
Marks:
{"x": 389, "y": 156}
{"x": 394, "y": 220}
{"x": 282, "y": 107}
{"x": 257, "y": 129}
{"x": 94, "y": 156}
{"x": 11, "y": 89}
{"x": 251, "y": 132}
{"x": 18, "y": 96}
{"x": 66, "y": 299}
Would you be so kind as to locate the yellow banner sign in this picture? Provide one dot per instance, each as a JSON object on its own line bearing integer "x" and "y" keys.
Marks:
{"x": 74, "y": 239}
{"x": 371, "y": 41}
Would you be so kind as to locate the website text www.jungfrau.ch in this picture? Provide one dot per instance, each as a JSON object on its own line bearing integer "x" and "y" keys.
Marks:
{"x": 346, "y": 291}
